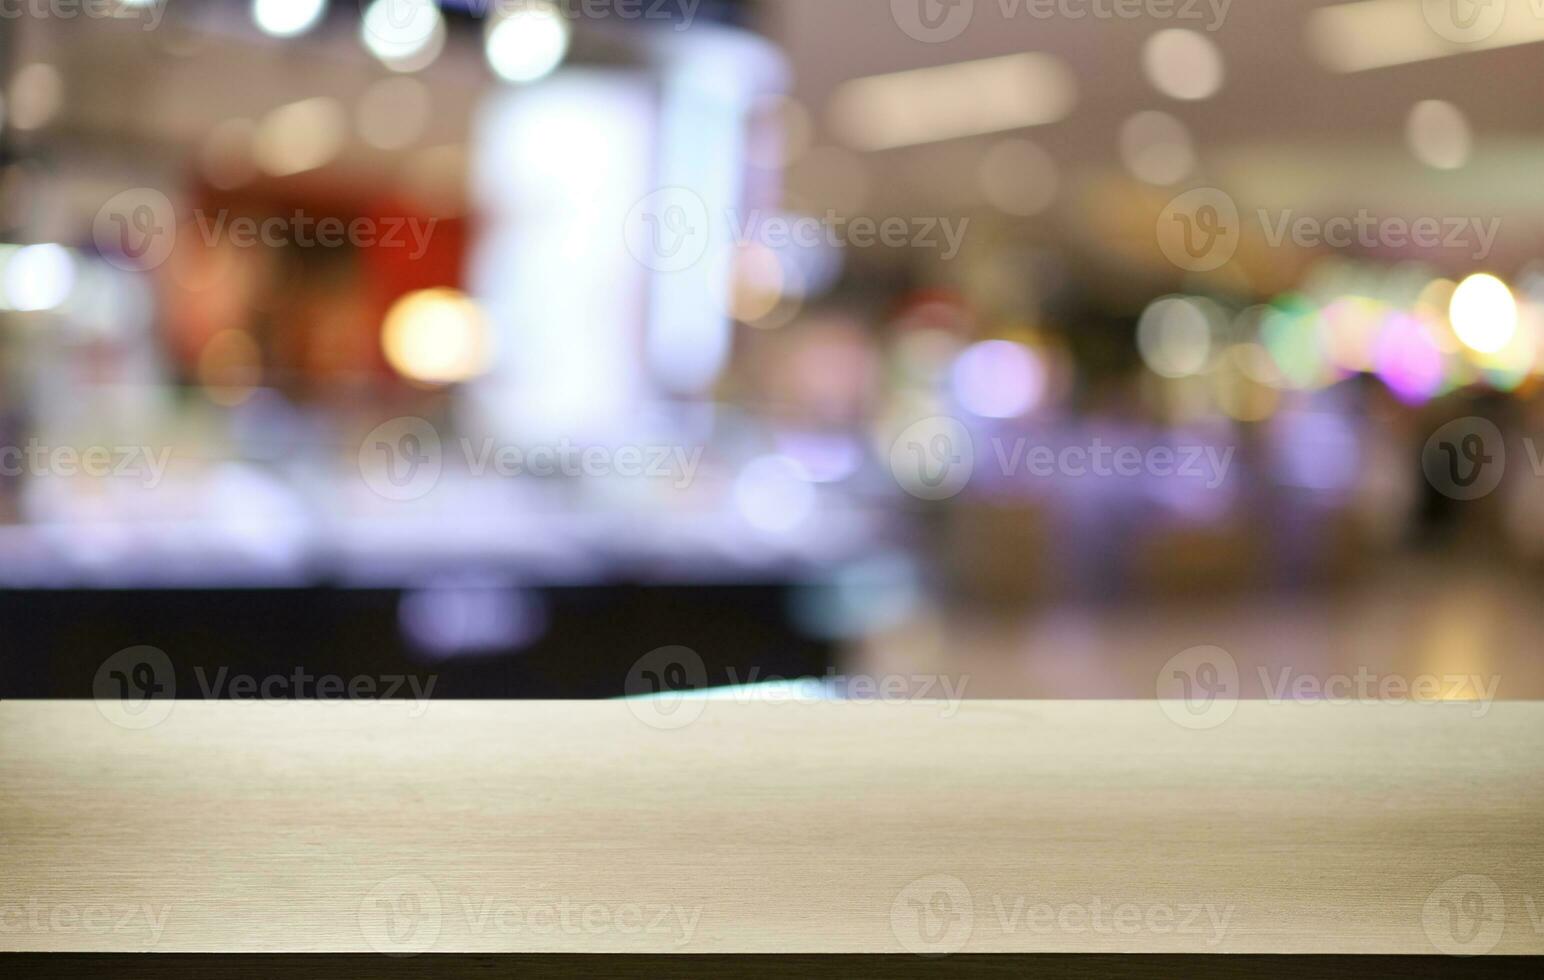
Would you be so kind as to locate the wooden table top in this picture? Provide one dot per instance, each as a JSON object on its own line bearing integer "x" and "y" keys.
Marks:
{"x": 920, "y": 827}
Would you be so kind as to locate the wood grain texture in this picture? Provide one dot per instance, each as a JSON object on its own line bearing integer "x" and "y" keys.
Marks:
{"x": 575, "y": 827}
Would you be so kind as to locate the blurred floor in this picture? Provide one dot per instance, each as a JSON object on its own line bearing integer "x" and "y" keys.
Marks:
{"x": 1416, "y": 619}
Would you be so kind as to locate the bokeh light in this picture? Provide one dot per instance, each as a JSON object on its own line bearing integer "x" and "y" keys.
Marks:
{"x": 436, "y": 336}
{"x": 774, "y": 494}
{"x": 39, "y": 277}
{"x": 1174, "y": 337}
{"x": 1407, "y": 359}
{"x": 1156, "y": 148}
{"x": 1438, "y": 134}
{"x": 1183, "y": 64}
{"x": 528, "y": 43}
{"x": 300, "y": 136}
{"x": 393, "y": 113}
{"x": 1018, "y": 177}
{"x": 406, "y": 35}
{"x": 287, "y": 18}
{"x": 1484, "y": 313}
{"x": 998, "y": 379}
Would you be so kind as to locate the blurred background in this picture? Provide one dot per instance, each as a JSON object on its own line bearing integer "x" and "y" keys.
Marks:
{"x": 1022, "y": 343}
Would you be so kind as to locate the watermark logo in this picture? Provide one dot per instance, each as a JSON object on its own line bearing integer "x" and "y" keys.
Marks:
{"x": 933, "y": 21}
{"x": 1465, "y": 916}
{"x": 401, "y": 459}
{"x": 1199, "y": 688}
{"x": 401, "y": 916}
{"x": 1465, "y": 459}
{"x": 1199, "y": 230}
{"x": 1464, "y": 21}
{"x": 933, "y": 916}
{"x": 661, "y": 687}
{"x": 933, "y": 459}
{"x": 669, "y": 230}
{"x": 135, "y": 229}
{"x": 135, "y": 688}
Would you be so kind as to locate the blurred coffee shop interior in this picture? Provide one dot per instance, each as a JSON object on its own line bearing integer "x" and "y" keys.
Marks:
{"x": 557, "y": 224}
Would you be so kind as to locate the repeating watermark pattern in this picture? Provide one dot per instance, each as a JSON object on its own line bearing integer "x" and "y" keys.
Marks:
{"x": 936, "y": 916}
{"x": 302, "y": 685}
{"x": 401, "y": 916}
{"x": 1200, "y": 230}
{"x": 124, "y": 922}
{"x": 1470, "y": 21}
{"x": 149, "y": 12}
{"x": 403, "y": 459}
{"x": 935, "y": 459}
{"x": 1471, "y": 236}
{"x": 404, "y": 916}
{"x": 1207, "y": 465}
{"x": 664, "y": 688}
{"x": 661, "y": 687}
{"x": 137, "y": 229}
{"x": 933, "y": 916}
{"x": 1466, "y": 458}
{"x": 938, "y": 21}
{"x": 1466, "y": 916}
{"x": 145, "y": 464}
{"x": 672, "y": 229}
{"x": 681, "y": 14}
{"x": 136, "y": 688}
{"x": 1199, "y": 687}
{"x": 1366, "y": 686}
{"x": 1107, "y": 918}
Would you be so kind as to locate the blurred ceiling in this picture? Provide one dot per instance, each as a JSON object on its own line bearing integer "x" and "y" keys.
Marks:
{"x": 1282, "y": 125}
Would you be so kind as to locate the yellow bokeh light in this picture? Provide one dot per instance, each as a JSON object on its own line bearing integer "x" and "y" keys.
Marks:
{"x": 436, "y": 336}
{"x": 1484, "y": 313}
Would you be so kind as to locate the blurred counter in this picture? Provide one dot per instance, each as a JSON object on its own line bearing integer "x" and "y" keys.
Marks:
{"x": 737, "y": 827}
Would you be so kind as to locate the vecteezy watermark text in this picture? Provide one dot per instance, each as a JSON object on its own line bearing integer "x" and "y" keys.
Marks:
{"x": 309, "y": 231}
{"x": 138, "y": 228}
{"x": 151, "y": 10}
{"x": 44, "y": 918}
{"x": 672, "y": 229}
{"x": 937, "y": 21}
{"x": 664, "y": 688}
{"x": 936, "y": 916}
{"x": 403, "y": 459}
{"x": 404, "y": 915}
{"x": 679, "y": 13}
{"x": 935, "y": 459}
{"x": 1201, "y": 230}
{"x": 136, "y": 687}
{"x": 37, "y": 459}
